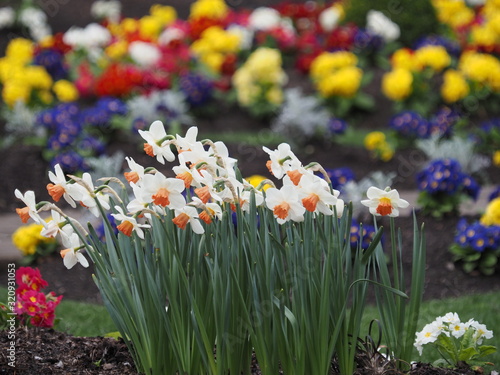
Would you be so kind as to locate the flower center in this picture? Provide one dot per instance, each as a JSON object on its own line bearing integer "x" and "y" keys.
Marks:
{"x": 203, "y": 193}
{"x": 281, "y": 210}
{"x": 161, "y": 197}
{"x": 310, "y": 202}
{"x": 384, "y": 206}
{"x": 132, "y": 176}
{"x": 56, "y": 191}
{"x": 126, "y": 227}
{"x": 295, "y": 176}
{"x": 181, "y": 220}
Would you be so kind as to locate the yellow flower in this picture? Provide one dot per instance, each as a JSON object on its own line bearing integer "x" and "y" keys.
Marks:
{"x": 275, "y": 95}
{"x": 213, "y": 60}
{"x": 485, "y": 36}
{"x": 265, "y": 65}
{"x": 117, "y": 50}
{"x": 328, "y": 62}
{"x": 435, "y": 57}
{"x": 255, "y": 181}
{"x": 150, "y": 27}
{"x": 65, "y": 91}
{"x": 496, "y": 158}
{"x": 20, "y": 50}
{"x": 14, "y": 91}
{"x": 27, "y": 238}
{"x": 492, "y": 214}
{"x": 213, "y": 46}
{"x": 454, "y": 87}
{"x": 45, "y": 96}
{"x": 344, "y": 82}
{"x": 386, "y": 152}
{"x": 37, "y": 77}
{"x": 374, "y": 140}
{"x": 215, "y": 9}
{"x": 165, "y": 13}
{"x": 397, "y": 84}
{"x": 403, "y": 58}
{"x": 129, "y": 25}
{"x": 482, "y": 68}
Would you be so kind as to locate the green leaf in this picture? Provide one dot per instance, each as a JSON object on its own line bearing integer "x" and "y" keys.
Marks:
{"x": 467, "y": 354}
{"x": 485, "y": 350}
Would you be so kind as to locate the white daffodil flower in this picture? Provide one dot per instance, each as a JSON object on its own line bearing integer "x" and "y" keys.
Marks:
{"x": 285, "y": 204}
{"x": 156, "y": 142}
{"x": 129, "y": 223}
{"x": 384, "y": 202}
{"x": 30, "y": 210}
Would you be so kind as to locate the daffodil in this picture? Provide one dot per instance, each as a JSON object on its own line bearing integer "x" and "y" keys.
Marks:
{"x": 285, "y": 204}
{"x": 384, "y": 202}
{"x": 129, "y": 223}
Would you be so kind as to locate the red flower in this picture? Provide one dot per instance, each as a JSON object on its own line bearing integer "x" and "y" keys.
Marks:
{"x": 118, "y": 80}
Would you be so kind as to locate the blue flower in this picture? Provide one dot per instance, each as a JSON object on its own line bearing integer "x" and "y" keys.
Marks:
{"x": 340, "y": 176}
{"x": 443, "y": 121}
{"x": 91, "y": 146}
{"x": 409, "y": 123}
{"x": 494, "y": 194}
{"x": 336, "y": 126}
{"x": 197, "y": 88}
{"x": 452, "y": 46}
{"x": 53, "y": 62}
{"x": 70, "y": 162}
{"x": 367, "y": 41}
{"x": 365, "y": 238}
{"x": 445, "y": 176}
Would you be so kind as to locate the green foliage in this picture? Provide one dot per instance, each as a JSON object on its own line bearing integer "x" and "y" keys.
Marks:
{"x": 440, "y": 204}
{"x": 403, "y": 12}
{"x": 485, "y": 261}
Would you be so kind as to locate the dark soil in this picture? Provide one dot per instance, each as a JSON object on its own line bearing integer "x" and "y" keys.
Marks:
{"x": 44, "y": 351}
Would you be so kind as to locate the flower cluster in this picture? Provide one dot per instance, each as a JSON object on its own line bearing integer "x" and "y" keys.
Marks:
{"x": 376, "y": 142}
{"x": 31, "y": 243}
{"x": 443, "y": 185}
{"x": 259, "y": 81}
{"x": 68, "y": 125}
{"x": 361, "y": 234}
{"x": 32, "y": 306}
{"x": 456, "y": 340}
{"x": 411, "y": 125}
{"x": 27, "y": 16}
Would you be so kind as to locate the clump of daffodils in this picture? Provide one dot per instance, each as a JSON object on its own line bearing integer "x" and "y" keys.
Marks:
{"x": 259, "y": 81}
{"x": 204, "y": 184}
{"x": 457, "y": 341}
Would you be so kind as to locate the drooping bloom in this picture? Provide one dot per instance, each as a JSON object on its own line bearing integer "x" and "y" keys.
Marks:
{"x": 58, "y": 187}
{"x": 30, "y": 210}
{"x": 281, "y": 160}
{"x": 129, "y": 224}
{"x": 73, "y": 255}
{"x": 384, "y": 202}
{"x": 136, "y": 171}
{"x": 188, "y": 215}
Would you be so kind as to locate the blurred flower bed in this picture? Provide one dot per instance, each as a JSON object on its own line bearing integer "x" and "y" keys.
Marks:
{"x": 73, "y": 93}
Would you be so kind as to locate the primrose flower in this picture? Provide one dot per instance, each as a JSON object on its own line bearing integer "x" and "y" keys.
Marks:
{"x": 186, "y": 215}
{"x": 72, "y": 255}
{"x": 481, "y": 332}
{"x": 429, "y": 334}
{"x": 129, "y": 224}
{"x": 285, "y": 204}
{"x": 156, "y": 142}
{"x": 384, "y": 202}
{"x": 30, "y": 210}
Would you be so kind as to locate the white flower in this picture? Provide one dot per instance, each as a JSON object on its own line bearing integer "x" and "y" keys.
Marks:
{"x": 72, "y": 255}
{"x": 36, "y": 21}
{"x": 185, "y": 143}
{"x": 59, "y": 186}
{"x": 93, "y": 35}
{"x": 481, "y": 332}
{"x": 264, "y": 18}
{"x": 163, "y": 191}
{"x": 7, "y": 17}
{"x": 315, "y": 194}
{"x": 144, "y": 54}
{"x": 170, "y": 34}
{"x": 281, "y": 160}
{"x": 187, "y": 215}
{"x": 384, "y": 202}
{"x": 377, "y": 23}
{"x": 429, "y": 334}
{"x": 30, "y": 210}
{"x": 245, "y": 35}
{"x": 129, "y": 224}
{"x": 457, "y": 329}
{"x": 329, "y": 18}
{"x": 285, "y": 204}
{"x": 136, "y": 171}
{"x": 86, "y": 195}
{"x": 156, "y": 143}
{"x": 451, "y": 318}
{"x": 54, "y": 226}
{"x": 106, "y": 9}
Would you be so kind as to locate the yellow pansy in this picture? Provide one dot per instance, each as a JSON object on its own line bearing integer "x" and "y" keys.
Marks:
{"x": 454, "y": 87}
{"x": 20, "y": 50}
{"x": 14, "y": 91}
{"x": 397, "y": 84}
{"x": 117, "y": 50}
{"x": 65, "y": 91}
{"x": 374, "y": 140}
{"x": 215, "y": 9}
{"x": 434, "y": 57}
{"x": 149, "y": 27}
{"x": 165, "y": 13}
{"x": 327, "y": 62}
{"x": 492, "y": 214}
{"x": 256, "y": 179}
